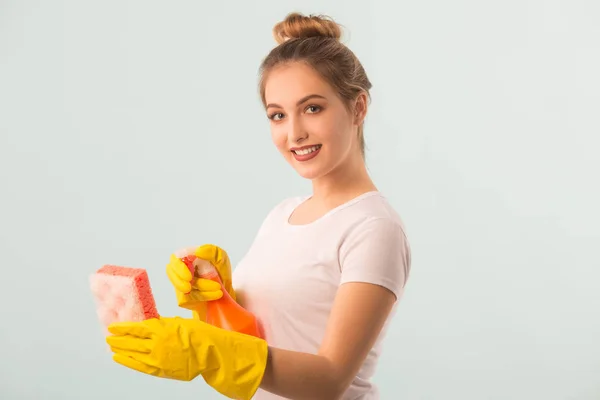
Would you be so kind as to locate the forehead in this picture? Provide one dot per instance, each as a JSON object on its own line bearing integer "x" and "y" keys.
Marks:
{"x": 288, "y": 83}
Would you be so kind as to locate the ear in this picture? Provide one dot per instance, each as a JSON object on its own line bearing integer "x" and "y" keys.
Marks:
{"x": 360, "y": 108}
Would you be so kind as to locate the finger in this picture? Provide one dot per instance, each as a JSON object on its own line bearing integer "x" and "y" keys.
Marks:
{"x": 210, "y": 253}
{"x": 180, "y": 284}
{"x": 129, "y": 344}
{"x": 136, "y": 365}
{"x": 206, "y": 285}
{"x": 210, "y": 296}
{"x": 137, "y": 329}
{"x": 180, "y": 269}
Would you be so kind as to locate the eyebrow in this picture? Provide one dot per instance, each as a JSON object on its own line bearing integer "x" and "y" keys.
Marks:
{"x": 302, "y": 100}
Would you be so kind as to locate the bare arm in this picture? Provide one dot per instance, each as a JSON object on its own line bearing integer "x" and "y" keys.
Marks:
{"x": 358, "y": 315}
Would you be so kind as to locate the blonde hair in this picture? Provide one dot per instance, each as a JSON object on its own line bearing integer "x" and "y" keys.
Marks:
{"x": 315, "y": 41}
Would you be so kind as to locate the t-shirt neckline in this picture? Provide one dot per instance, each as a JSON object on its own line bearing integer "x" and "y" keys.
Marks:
{"x": 329, "y": 213}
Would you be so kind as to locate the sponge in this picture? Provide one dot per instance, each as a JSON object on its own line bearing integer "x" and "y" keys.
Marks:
{"x": 122, "y": 294}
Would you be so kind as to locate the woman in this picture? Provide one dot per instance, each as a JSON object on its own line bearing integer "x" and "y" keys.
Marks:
{"x": 325, "y": 272}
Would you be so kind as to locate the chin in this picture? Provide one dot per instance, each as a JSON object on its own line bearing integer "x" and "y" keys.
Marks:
{"x": 308, "y": 172}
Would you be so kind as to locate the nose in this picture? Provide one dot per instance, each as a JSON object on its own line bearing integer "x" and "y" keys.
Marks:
{"x": 297, "y": 132}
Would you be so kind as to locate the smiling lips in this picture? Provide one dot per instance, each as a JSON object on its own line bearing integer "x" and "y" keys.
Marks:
{"x": 306, "y": 153}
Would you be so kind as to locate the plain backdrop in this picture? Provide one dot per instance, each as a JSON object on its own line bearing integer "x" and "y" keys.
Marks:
{"x": 130, "y": 129}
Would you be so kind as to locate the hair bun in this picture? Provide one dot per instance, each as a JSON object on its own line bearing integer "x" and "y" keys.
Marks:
{"x": 296, "y": 25}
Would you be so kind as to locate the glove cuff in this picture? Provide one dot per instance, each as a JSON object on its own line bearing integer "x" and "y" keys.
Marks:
{"x": 241, "y": 375}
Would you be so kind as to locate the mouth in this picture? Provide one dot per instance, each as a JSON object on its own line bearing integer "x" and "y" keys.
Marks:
{"x": 306, "y": 150}
{"x": 306, "y": 153}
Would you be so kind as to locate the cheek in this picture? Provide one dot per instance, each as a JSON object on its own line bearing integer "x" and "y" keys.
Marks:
{"x": 279, "y": 139}
{"x": 336, "y": 133}
{"x": 345, "y": 131}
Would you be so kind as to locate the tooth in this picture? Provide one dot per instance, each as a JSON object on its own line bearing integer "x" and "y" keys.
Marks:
{"x": 306, "y": 151}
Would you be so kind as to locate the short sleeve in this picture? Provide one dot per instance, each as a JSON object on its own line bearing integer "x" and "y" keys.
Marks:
{"x": 377, "y": 252}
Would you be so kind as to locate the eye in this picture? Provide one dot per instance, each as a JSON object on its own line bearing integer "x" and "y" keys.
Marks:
{"x": 275, "y": 116}
{"x": 313, "y": 109}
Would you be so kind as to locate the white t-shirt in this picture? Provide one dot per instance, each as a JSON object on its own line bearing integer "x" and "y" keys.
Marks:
{"x": 291, "y": 273}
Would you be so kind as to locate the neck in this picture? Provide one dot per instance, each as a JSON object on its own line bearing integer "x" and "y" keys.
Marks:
{"x": 347, "y": 181}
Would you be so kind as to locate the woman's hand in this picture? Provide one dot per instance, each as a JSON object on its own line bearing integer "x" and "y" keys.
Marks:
{"x": 192, "y": 292}
{"x": 178, "y": 348}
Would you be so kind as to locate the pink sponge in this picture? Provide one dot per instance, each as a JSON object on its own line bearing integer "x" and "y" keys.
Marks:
{"x": 122, "y": 294}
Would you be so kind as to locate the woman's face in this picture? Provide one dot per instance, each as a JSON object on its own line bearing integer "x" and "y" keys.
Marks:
{"x": 310, "y": 125}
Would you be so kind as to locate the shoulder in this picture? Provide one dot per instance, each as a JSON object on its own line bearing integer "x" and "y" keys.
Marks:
{"x": 384, "y": 234}
{"x": 375, "y": 246}
{"x": 374, "y": 214}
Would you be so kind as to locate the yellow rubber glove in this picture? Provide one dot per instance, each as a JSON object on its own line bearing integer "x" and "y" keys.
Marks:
{"x": 192, "y": 293}
{"x": 177, "y": 348}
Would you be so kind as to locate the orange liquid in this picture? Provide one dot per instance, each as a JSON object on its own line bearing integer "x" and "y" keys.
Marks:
{"x": 225, "y": 312}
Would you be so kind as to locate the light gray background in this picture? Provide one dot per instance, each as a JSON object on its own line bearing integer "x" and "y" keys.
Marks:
{"x": 132, "y": 128}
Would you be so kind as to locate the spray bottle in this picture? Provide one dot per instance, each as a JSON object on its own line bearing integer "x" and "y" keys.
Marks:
{"x": 225, "y": 312}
